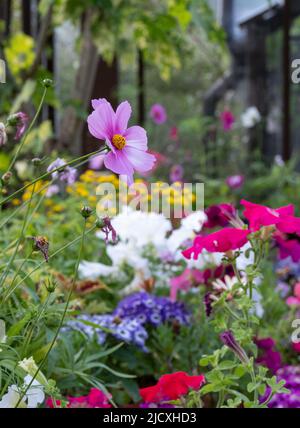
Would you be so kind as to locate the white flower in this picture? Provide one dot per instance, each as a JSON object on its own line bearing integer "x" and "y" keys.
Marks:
{"x": 194, "y": 222}
{"x": 33, "y": 397}
{"x": 245, "y": 258}
{"x": 189, "y": 225}
{"x": 22, "y": 168}
{"x": 119, "y": 254}
{"x": 3, "y": 136}
{"x": 28, "y": 365}
{"x": 93, "y": 270}
{"x": 251, "y": 117}
{"x": 141, "y": 228}
{"x": 11, "y": 398}
{"x": 35, "y": 394}
{"x": 226, "y": 284}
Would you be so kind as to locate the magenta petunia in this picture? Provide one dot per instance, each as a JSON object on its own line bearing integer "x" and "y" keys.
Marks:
{"x": 260, "y": 215}
{"x": 128, "y": 146}
{"x": 219, "y": 242}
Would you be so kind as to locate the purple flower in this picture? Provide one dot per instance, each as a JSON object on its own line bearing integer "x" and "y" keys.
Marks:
{"x": 107, "y": 229}
{"x": 291, "y": 376}
{"x": 66, "y": 174}
{"x": 52, "y": 190}
{"x": 3, "y": 136}
{"x": 235, "y": 181}
{"x": 21, "y": 124}
{"x": 127, "y": 323}
{"x": 129, "y": 331}
{"x": 229, "y": 340}
{"x": 176, "y": 173}
{"x": 128, "y": 146}
{"x": 158, "y": 114}
{"x": 150, "y": 309}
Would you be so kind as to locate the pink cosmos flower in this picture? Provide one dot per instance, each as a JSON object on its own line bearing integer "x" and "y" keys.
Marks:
{"x": 160, "y": 160}
{"x": 96, "y": 162}
{"x": 294, "y": 300}
{"x": 158, "y": 114}
{"x": 235, "y": 181}
{"x": 227, "y": 119}
{"x": 260, "y": 215}
{"x": 176, "y": 173}
{"x": 219, "y": 242}
{"x": 128, "y": 146}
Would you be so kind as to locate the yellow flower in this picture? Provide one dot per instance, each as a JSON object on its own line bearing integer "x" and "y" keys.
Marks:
{"x": 19, "y": 53}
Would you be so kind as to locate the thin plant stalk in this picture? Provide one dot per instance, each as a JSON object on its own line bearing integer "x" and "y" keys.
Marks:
{"x": 62, "y": 318}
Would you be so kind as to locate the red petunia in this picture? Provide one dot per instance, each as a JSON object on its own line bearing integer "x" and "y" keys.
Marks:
{"x": 171, "y": 387}
{"x": 219, "y": 242}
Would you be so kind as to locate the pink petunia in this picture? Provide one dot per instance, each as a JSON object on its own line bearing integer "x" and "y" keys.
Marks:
{"x": 128, "y": 146}
{"x": 219, "y": 242}
{"x": 188, "y": 279}
{"x": 158, "y": 114}
{"x": 227, "y": 119}
{"x": 260, "y": 215}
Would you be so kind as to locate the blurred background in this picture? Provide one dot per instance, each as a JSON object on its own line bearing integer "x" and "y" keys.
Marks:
{"x": 210, "y": 80}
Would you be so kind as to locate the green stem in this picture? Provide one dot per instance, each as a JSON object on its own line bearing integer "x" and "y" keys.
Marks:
{"x": 51, "y": 256}
{"x": 62, "y": 318}
{"x": 49, "y": 174}
{"x": 23, "y": 140}
{"x": 11, "y": 260}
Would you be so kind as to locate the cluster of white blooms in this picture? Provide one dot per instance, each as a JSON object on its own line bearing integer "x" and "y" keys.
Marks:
{"x": 138, "y": 231}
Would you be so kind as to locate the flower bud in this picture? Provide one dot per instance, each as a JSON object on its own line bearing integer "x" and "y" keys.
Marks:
{"x": 229, "y": 340}
{"x": 50, "y": 285}
{"x": 6, "y": 177}
{"x": 41, "y": 244}
{"x": 86, "y": 211}
{"x": 47, "y": 83}
{"x": 36, "y": 161}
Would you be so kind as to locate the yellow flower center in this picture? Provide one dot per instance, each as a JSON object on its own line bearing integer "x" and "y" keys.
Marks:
{"x": 119, "y": 141}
